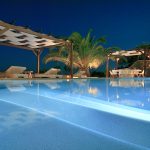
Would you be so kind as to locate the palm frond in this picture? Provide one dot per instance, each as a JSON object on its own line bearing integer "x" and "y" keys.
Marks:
{"x": 57, "y": 58}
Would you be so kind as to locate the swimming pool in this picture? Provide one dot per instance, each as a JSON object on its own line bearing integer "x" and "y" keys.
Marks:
{"x": 77, "y": 114}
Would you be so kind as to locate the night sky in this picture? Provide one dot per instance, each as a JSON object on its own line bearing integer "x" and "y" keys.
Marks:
{"x": 124, "y": 23}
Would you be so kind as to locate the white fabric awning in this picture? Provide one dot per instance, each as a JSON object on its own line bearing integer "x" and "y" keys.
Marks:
{"x": 127, "y": 53}
{"x": 21, "y": 37}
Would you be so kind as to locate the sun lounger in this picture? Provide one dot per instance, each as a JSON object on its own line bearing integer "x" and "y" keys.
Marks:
{"x": 14, "y": 72}
{"x": 80, "y": 74}
{"x": 51, "y": 73}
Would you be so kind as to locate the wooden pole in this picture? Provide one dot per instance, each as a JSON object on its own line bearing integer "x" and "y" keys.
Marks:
{"x": 37, "y": 53}
{"x": 117, "y": 60}
{"x": 38, "y": 61}
{"x": 71, "y": 60}
{"x": 144, "y": 67}
{"x": 107, "y": 67}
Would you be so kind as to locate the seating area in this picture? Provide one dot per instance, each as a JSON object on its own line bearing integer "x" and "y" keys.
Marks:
{"x": 140, "y": 68}
{"x": 80, "y": 74}
{"x": 51, "y": 73}
{"x": 127, "y": 73}
{"x": 14, "y": 72}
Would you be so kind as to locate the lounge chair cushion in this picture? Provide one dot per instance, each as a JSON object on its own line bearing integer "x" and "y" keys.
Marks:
{"x": 15, "y": 70}
{"x": 52, "y": 71}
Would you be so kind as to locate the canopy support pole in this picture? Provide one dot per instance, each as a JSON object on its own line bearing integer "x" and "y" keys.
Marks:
{"x": 144, "y": 68}
{"x": 70, "y": 48}
{"x": 37, "y": 53}
{"x": 107, "y": 67}
{"x": 117, "y": 61}
{"x": 71, "y": 60}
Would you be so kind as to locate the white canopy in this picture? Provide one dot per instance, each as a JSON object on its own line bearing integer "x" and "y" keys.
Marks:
{"x": 24, "y": 38}
{"x": 21, "y": 37}
{"x": 127, "y": 53}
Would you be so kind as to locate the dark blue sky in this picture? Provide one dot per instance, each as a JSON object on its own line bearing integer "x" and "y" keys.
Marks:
{"x": 124, "y": 23}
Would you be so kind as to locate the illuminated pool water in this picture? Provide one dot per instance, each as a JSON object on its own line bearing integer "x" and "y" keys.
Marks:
{"x": 89, "y": 114}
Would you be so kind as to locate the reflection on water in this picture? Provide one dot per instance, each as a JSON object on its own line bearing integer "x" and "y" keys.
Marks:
{"x": 12, "y": 117}
{"x": 131, "y": 92}
{"x": 80, "y": 103}
{"x": 127, "y": 83}
{"x": 19, "y": 118}
{"x": 93, "y": 91}
{"x": 22, "y": 129}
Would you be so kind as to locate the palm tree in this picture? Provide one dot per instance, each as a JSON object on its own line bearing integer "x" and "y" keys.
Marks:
{"x": 145, "y": 47}
{"x": 87, "y": 52}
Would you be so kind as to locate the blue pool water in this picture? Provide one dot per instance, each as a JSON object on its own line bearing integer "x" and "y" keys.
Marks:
{"x": 90, "y": 114}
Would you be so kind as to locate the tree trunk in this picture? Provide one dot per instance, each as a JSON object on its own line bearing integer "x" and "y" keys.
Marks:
{"x": 85, "y": 72}
{"x": 88, "y": 72}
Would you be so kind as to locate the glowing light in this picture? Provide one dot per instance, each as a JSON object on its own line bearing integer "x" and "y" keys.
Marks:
{"x": 93, "y": 91}
{"x": 68, "y": 76}
{"x": 95, "y": 63}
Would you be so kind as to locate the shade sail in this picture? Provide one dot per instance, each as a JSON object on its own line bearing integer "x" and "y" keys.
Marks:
{"x": 24, "y": 38}
{"x": 127, "y": 53}
{"x": 21, "y": 37}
